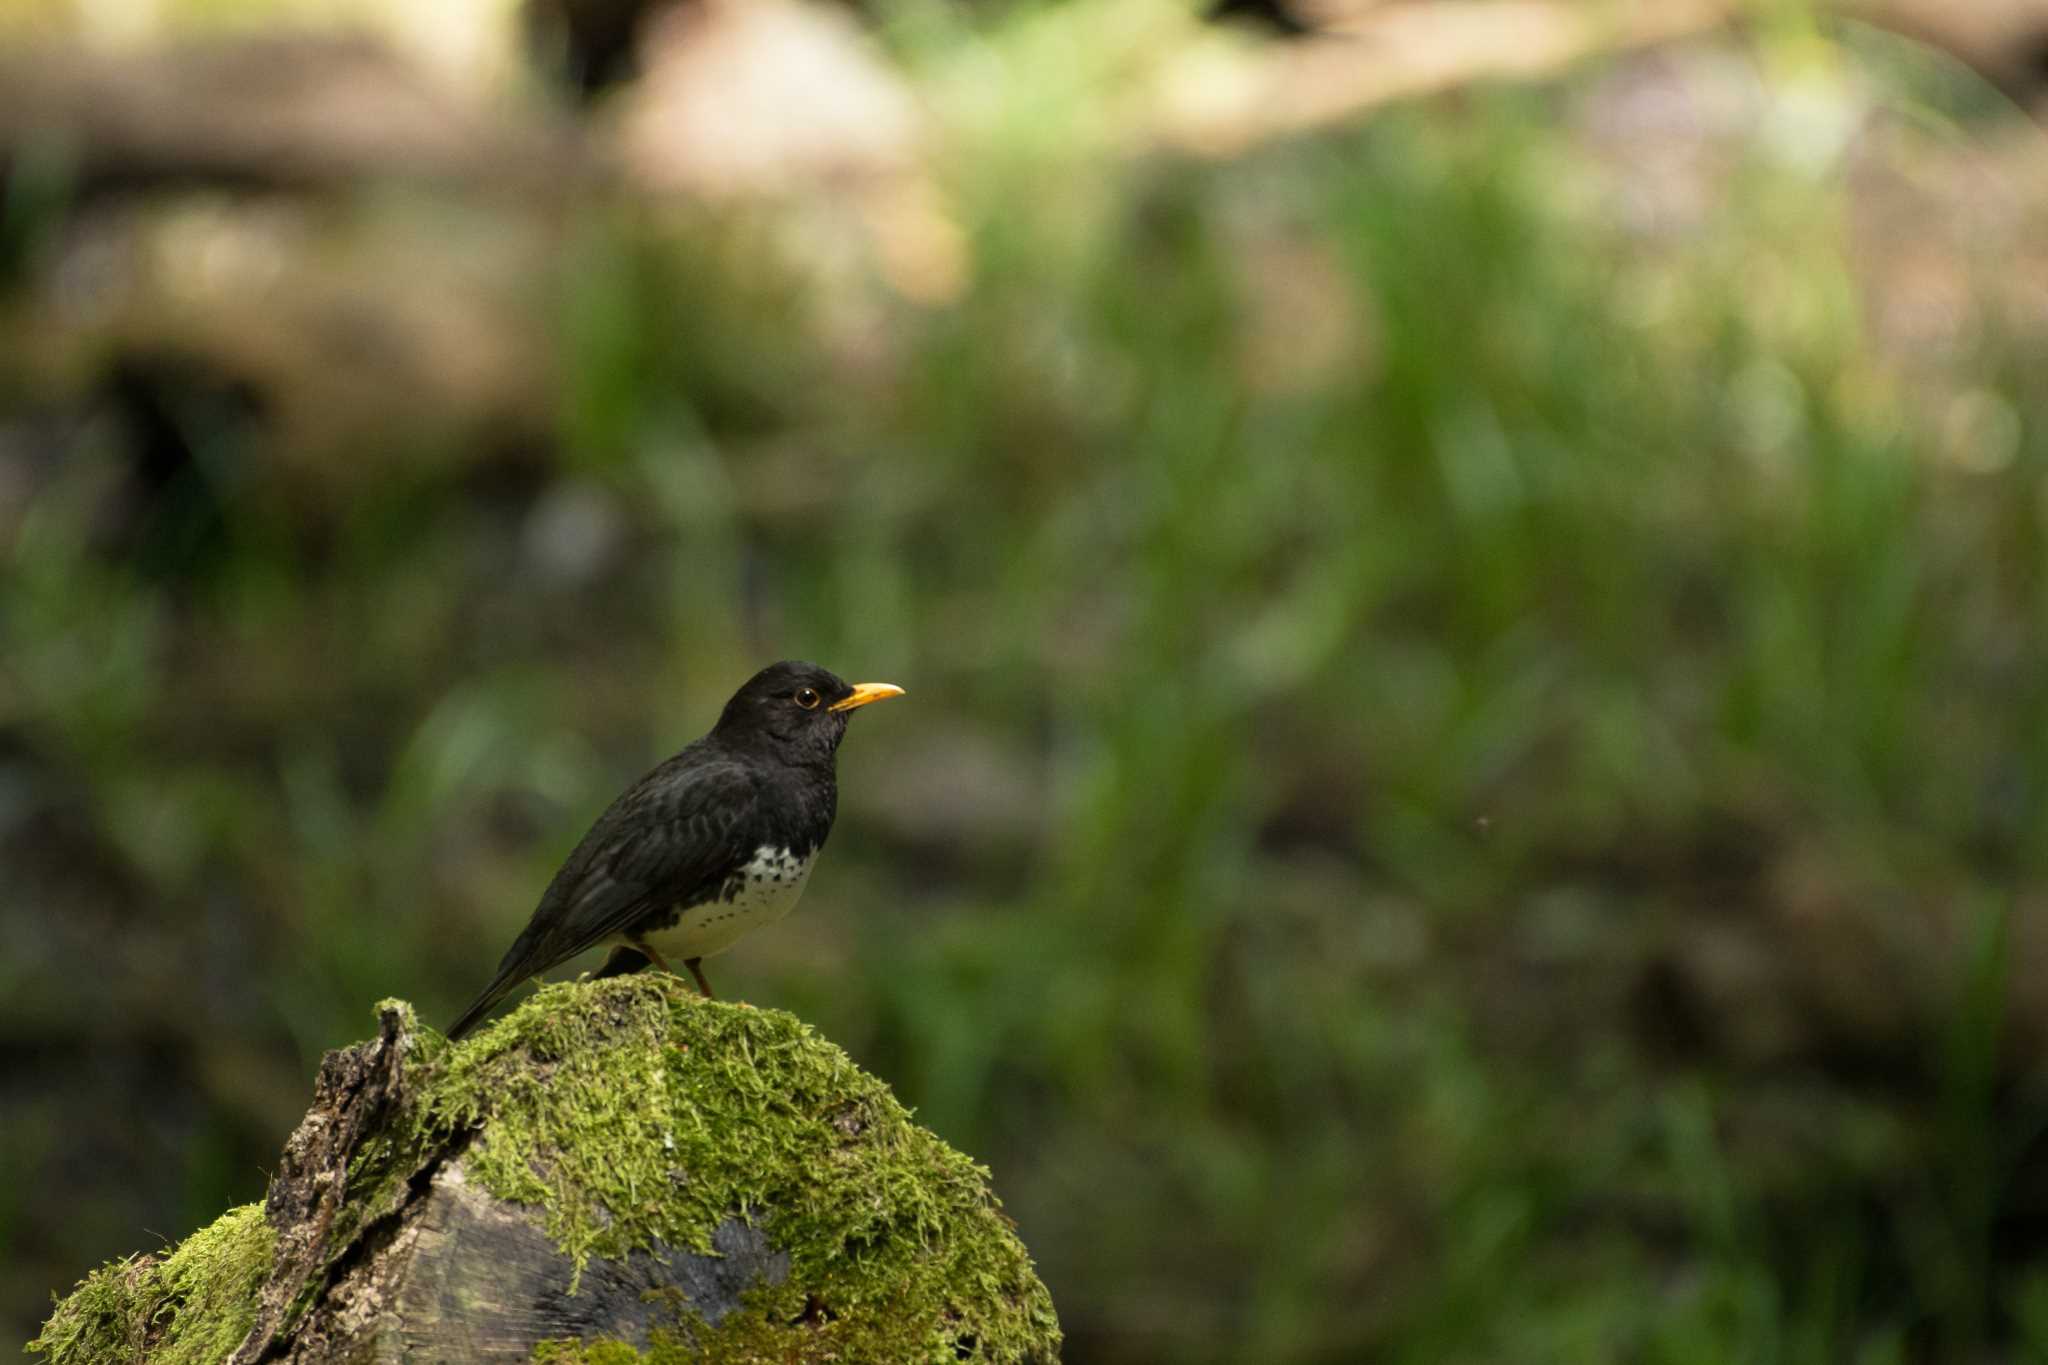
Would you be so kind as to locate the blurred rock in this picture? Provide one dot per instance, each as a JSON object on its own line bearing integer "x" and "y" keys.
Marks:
{"x": 789, "y": 100}
{"x": 304, "y": 317}
{"x": 767, "y": 97}
{"x": 573, "y": 534}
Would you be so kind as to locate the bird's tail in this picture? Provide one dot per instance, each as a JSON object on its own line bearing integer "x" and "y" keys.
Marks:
{"x": 510, "y": 973}
{"x": 483, "y": 1004}
{"x": 623, "y": 960}
{"x": 526, "y": 957}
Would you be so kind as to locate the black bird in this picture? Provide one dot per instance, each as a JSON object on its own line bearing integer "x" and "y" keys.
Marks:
{"x": 714, "y": 843}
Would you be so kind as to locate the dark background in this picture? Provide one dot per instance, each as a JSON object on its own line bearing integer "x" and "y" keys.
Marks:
{"x": 1475, "y": 777}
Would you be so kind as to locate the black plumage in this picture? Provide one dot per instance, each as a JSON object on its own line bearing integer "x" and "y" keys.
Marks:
{"x": 694, "y": 832}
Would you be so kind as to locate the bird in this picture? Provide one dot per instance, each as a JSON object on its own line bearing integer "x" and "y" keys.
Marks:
{"x": 714, "y": 843}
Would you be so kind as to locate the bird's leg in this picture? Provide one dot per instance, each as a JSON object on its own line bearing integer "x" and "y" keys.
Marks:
{"x": 624, "y": 961}
{"x": 642, "y": 946}
{"x": 646, "y": 950}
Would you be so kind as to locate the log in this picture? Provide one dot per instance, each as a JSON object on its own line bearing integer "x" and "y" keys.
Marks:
{"x": 275, "y": 110}
{"x": 617, "y": 1170}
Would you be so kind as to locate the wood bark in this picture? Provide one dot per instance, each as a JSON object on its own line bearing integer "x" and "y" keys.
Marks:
{"x": 450, "y": 1272}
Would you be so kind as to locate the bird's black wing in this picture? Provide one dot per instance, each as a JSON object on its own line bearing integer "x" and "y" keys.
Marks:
{"x": 670, "y": 839}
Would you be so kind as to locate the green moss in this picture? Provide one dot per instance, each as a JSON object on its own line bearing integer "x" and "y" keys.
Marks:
{"x": 192, "y": 1307}
{"x": 664, "y": 1352}
{"x": 633, "y": 1111}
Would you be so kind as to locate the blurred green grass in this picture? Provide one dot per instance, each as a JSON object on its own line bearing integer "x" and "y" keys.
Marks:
{"x": 1471, "y": 789}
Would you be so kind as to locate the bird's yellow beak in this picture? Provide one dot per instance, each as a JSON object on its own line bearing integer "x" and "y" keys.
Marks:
{"x": 863, "y": 693}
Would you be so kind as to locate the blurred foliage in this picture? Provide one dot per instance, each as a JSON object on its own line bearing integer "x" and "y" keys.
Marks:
{"x": 1473, "y": 783}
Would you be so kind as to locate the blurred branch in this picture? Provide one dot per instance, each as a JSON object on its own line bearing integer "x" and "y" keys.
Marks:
{"x": 302, "y": 111}
{"x": 2004, "y": 41}
{"x": 1363, "y": 54}
{"x": 299, "y": 111}
{"x": 771, "y": 101}
{"x": 1383, "y": 53}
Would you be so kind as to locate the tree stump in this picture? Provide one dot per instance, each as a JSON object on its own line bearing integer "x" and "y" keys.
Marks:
{"x": 618, "y": 1170}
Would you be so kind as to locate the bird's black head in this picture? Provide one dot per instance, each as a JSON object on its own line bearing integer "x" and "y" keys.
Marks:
{"x": 795, "y": 710}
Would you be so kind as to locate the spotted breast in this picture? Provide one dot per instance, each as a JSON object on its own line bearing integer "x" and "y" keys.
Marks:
{"x": 759, "y": 892}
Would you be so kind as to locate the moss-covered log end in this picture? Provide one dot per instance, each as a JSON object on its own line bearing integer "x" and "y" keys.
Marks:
{"x": 616, "y": 1170}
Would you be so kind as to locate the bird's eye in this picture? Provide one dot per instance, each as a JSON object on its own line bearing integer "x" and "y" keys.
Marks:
{"x": 807, "y": 697}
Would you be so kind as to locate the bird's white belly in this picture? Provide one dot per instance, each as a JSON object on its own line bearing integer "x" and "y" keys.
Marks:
{"x": 760, "y": 893}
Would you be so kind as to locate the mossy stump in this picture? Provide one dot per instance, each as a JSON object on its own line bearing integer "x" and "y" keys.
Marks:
{"x": 617, "y": 1170}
